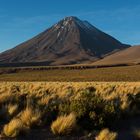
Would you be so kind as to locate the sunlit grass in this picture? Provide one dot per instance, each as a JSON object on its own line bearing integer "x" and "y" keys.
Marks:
{"x": 105, "y": 134}
{"x": 62, "y": 106}
{"x": 64, "y": 124}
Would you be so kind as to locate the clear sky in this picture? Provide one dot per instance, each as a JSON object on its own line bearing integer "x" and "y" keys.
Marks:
{"x": 22, "y": 19}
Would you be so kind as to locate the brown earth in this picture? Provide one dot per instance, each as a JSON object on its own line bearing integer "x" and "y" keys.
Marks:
{"x": 129, "y": 55}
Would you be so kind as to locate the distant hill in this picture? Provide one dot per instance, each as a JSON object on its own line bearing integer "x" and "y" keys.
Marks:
{"x": 70, "y": 41}
{"x": 129, "y": 55}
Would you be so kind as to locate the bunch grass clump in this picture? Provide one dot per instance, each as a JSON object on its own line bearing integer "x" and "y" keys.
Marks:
{"x": 30, "y": 116}
{"x": 14, "y": 128}
{"x": 105, "y": 134}
{"x": 64, "y": 124}
{"x": 12, "y": 109}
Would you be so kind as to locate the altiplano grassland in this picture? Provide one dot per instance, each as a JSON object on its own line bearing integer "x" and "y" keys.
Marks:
{"x": 69, "y": 110}
{"x": 123, "y": 73}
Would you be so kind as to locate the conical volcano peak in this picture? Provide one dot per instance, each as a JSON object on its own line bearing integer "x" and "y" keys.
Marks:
{"x": 70, "y": 41}
{"x": 67, "y": 23}
{"x": 71, "y": 18}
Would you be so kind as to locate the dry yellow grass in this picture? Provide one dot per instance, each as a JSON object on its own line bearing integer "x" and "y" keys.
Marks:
{"x": 29, "y": 101}
{"x": 12, "y": 109}
{"x": 13, "y": 128}
{"x": 108, "y": 90}
{"x": 105, "y": 88}
{"x": 4, "y": 97}
{"x": 105, "y": 134}
{"x": 30, "y": 116}
{"x": 64, "y": 124}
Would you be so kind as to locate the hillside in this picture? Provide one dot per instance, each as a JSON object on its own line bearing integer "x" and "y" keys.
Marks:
{"x": 129, "y": 55}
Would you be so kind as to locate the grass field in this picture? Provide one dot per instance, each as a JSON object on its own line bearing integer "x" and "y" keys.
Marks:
{"x": 70, "y": 110}
{"x": 67, "y": 107}
{"x": 122, "y": 73}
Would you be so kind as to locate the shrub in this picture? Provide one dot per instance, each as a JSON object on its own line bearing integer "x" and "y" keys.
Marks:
{"x": 50, "y": 111}
{"x": 105, "y": 134}
{"x": 64, "y": 124}
{"x": 111, "y": 112}
{"x": 87, "y": 101}
{"x": 134, "y": 104}
{"x": 91, "y": 110}
{"x": 131, "y": 105}
{"x": 14, "y": 128}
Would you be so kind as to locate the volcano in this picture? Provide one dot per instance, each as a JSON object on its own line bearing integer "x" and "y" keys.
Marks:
{"x": 70, "y": 41}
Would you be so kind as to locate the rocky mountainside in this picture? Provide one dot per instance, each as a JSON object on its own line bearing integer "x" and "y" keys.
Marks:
{"x": 70, "y": 41}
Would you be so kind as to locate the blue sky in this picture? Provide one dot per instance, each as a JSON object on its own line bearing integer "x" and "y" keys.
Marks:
{"x": 22, "y": 19}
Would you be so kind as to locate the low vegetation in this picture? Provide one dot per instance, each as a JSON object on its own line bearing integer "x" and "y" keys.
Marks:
{"x": 13, "y": 128}
{"x": 64, "y": 124}
{"x": 121, "y": 73}
{"x": 67, "y": 108}
{"x": 105, "y": 134}
{"x": 30, "y": 117}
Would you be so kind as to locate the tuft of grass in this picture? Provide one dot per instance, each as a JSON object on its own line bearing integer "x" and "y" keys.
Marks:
{"x": 12, "y": 109}
{"x": 44, "y": 100}
{"x": 105, "y": 134}
{"x": 13, "y": 128}
{"x": 7, "y": 111}
{"x": 64, "y": 124}
{"x": 30, "y": 116}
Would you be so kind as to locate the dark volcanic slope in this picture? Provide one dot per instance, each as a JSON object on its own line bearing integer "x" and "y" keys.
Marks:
{"x": 70, "y": 41}
{"x": 129, "y": 55}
